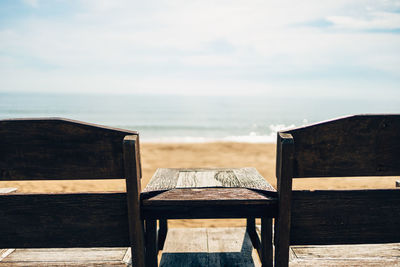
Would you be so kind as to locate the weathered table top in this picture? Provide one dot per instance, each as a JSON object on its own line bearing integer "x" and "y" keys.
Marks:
{"x": 167, "y": 178}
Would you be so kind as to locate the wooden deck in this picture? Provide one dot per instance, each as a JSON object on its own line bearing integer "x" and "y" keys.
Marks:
{"x": 206, "y": 247}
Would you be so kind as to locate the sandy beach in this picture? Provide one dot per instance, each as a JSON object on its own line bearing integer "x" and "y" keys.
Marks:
{"x": 162, "y": 155}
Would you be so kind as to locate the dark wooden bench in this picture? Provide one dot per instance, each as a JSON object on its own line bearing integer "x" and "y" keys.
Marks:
{"x": 60, "y": 149}
{"x": 363, "y": 145}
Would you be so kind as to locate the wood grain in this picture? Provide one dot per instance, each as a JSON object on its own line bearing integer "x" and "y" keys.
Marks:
{"x": 167, "y": 179}
{"x": 66, "y": 257}
{"x": 133, "y": 188}
{"x": 195, "y": 179}
{"x": 208, "y": 247}
{"x": 252, "y": 179}
{"x": 54, "y": 148}
{"x": 361, "y": 145}
{"x": 345, "y": 217}
{"x": 63, "y": 220}
{"x": 284, "y": 173}
{"x": 349, "y": 252}
{"x": 346, "y": 255}
{"x": 209, "y": 203}
{"x": 163, "y": 179}
{"x": 7, "y": 190}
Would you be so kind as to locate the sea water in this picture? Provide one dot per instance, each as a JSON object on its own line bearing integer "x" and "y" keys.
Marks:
{"x": 177, "y": 118}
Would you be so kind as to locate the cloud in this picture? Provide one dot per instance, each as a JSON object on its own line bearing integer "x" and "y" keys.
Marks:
{"x": 32, "y": 3}
{"x": 376, "y": 21}
{"x": 192, "y": 47}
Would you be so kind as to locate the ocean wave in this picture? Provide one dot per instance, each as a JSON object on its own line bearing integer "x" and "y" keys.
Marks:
{"x": 252, "y": 137}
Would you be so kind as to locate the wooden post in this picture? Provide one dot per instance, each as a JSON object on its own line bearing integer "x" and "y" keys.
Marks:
{"x": 151, "y": 243}
{"x": 266, "y": 242}
{"x": 133, "y": 188}
{"x": 162, "y": 233}
{"x": 284, "y": 171}
{"x": 251, "y": 231}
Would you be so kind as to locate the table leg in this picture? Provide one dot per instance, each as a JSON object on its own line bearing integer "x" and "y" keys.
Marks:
{"x": 162, "y": 233}
{"x": 251, "y": 231}
{"x": 151, "y": 243}
{"x": 266, "y": 242}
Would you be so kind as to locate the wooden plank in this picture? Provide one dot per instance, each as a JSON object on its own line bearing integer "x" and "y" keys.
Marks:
{"x": 166, "y": 179}
{"x": 7, "y": 190}
{"x": 127, "y": 259}
{"x": 77, "y": 220}
{"x": 197, "y": 179}
{"x": 133, "y": 188}
{"x": 70, "y": 255}
{"x": 186, "y": 240}
{"x": 185, "y": 247}
{"x": 163, "y": 179}
{"x": 151, "y": 243}
{"x": 284, "y": 174}
{"x": 162, "y": 233}
{"x": 349, "y": 252}
{"x": 5, "y": 252}
{"x": 251, "y": 178}
{"x": 226, "y": 178}
{"x": 66, "y": 257}
{"x": 266, "y": 251}
{"x": 181, "y": 196}
{"x": 209, "y": 203}
{"x": 65, "y": 263}
{"x": 208, "y": 247}
{"x": 53, "y": 149}
{"x": 347, "y": 255}
{"x": 345, "y": 263}
{"x": 362, "y": 145}
{"x": 345, "y": 217}
{"x": 228, "y": 240}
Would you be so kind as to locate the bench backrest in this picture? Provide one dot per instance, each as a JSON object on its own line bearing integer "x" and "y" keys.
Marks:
{"x": 362, "y": 145}
{"x": 60, "y": 149}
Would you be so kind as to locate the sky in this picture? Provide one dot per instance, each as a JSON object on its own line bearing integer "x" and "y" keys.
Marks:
{"x": 312, "y": 48}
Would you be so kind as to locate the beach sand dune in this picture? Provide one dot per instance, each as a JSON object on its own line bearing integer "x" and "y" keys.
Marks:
{"x": 162, "y": 155}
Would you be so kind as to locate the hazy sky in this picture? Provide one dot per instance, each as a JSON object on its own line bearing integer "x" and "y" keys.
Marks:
{"x": 312, "y": 48}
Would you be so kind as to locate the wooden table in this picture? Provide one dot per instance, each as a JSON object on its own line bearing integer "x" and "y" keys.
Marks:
{"x": 208, "y": 193}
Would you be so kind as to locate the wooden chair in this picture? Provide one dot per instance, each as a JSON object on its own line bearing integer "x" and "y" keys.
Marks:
{"x": 363, "y": 145}
{"x": 60, "y": 149}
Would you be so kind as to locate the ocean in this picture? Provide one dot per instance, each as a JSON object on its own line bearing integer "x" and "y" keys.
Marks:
{"x": 177, "y": 118}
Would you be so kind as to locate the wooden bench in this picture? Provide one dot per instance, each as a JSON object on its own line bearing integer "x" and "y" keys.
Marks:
{"x": 60, "y": 149}
{"x": 363, "y": 145}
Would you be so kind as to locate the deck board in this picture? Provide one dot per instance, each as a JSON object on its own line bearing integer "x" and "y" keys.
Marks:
{"x": 207, "y": 247}
{"x": 346, "y": 255}
{"x": 65, "y": 257}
